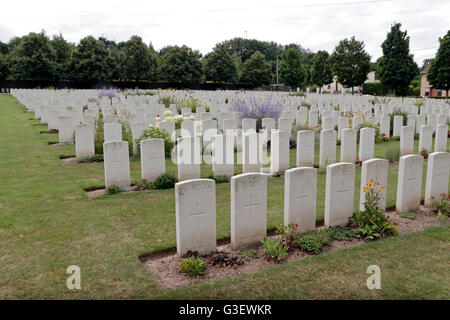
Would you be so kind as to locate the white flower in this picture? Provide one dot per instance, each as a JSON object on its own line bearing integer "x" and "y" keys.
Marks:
{"x": 158, "y": 119}
{"x": 169, "y": 118}
{"x": 168, "y": 113}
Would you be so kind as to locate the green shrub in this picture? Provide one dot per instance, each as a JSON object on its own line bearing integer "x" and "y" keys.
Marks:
{"x": 247, "y": 254}
{"x": 313, "y": 241}
{"x": 366, "y": 124}
{"x": 99, "y": 137}
{"x": 190, "y": 103}
{"x": 145, "y": 185}
{"x": 155, "y": 132}
{"x": 193, "y": 266}
{"x": 165, "y": 181}
{"x": 340, "y": 233}
{"x": 288, "y": 234}
{"x": 166, "y": 101}
{"x": 442, "y": 207}
{"x": 372, "y": 223}
{"x": 91, "y": 159}
{"x": 218, "y": 179}
{"x": 392, "y": 153}
{"x": 275, "y": 249}
{"x": 113, "y": 190}
{"x": 397, "y": 112}
{"x": 375, "y": 88}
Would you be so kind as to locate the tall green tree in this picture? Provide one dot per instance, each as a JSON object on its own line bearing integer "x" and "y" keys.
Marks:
{"x": 63, "y": 53}
{"x": 4, "y": 48}
{"x": 292, "y": 70}
{"x": 397, "y": 66}
{"x": 350, "y": 62}
{"x": 91, "y": 61}
{"x": 139, "y": 62}
{"x": 219, "y": 66}
{"x": 321, "y": 71}
{"x": 181, "y": 64}
{"x": 4, "y": 68}
{"x": 439, "y": 71}
{"x": 256, "y": 70}
{"x": 33, "y": 58}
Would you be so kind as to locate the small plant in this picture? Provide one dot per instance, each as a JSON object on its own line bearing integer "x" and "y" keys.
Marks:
{"x": 340, "y": 233}
{"x": 247, "y": 254}
{"x": 288, "y": 234}
{"x": 372, "y": 223}
{"x": 193, "y": 266}
{"x": 113, "y": 190}
{"x": 313, "y": 241}
{"x": 166, "y": 101}
{"x": 392, "y": 153}
{"x": 165, "y": 181}
{"x": 424, "y": 153}
{"x": 218, "y": 179}
{"x": 145, "y": 185}
{"x": 442, "y": 207}
{"x": 275, "y": 249}
{"x": 408, "y": 215}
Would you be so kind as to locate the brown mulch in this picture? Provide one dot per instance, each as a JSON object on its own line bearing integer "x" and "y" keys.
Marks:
{"x": 164, "y": 266}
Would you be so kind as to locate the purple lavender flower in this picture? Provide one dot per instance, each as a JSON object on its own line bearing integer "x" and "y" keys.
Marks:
{"x": 258, "y": 110}
{"x": 110, "y": 93}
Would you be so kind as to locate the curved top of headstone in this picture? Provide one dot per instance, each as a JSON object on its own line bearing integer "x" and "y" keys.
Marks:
{"x": 249, "y": 179}
{"x": 194, "y": 185}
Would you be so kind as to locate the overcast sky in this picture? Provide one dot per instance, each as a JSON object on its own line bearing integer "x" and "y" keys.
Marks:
{"x": 317, "y": 25}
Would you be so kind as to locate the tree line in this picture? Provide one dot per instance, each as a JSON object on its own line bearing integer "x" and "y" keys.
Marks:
{"x": 36, "y": 56}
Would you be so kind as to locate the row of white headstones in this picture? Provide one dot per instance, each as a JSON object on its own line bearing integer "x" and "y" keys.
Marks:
{"x": 254, "y": 155}
{"x": 196, "y": 200}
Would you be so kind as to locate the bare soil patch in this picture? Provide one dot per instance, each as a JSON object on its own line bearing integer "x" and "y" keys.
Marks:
{"x": 164, "y": 265}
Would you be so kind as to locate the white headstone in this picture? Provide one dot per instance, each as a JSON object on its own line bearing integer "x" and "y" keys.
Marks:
{"x": 195, "y": 216}
{"x": 348, "y": 145}
{"x": 112, "y": 131}
{"x": 437, "y": 176}
{"x": 189, "y": 158}
{"x": 300, "y": 186}
{"x": 377, "y": 171}
{"x": 84, "y": 141}
{"x": 327, "y": 148}
{"x": 425, "y": 138}
{"x": 153, "y": 162}
{"x": 117, "y": 164}
{"x": 248, "y": 209}
{"x": 279, "y": 151}
{"x": 339, "y": 194}
{"x": 223, "y": 155}
{"x": 409, "y": 186}
{"x": 440, "y": 142}
{"x": 65, "y": 130}
{"x": 407, "y": 140}
{"x": 305, "y": 148}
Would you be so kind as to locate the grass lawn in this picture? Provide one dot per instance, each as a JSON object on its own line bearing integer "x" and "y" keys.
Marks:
{"x": 48, "y": 223}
